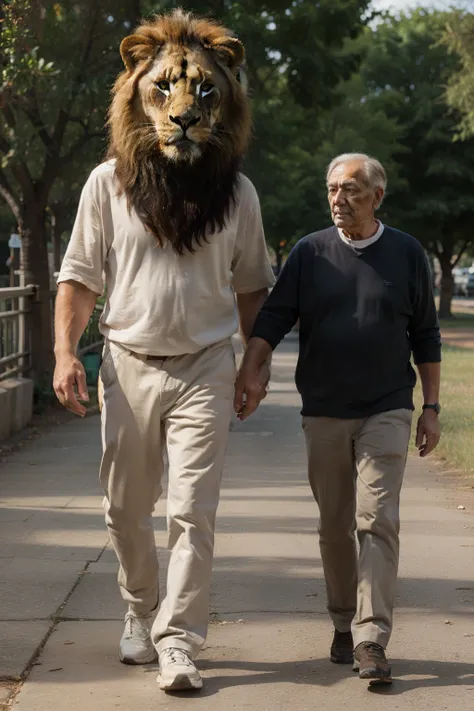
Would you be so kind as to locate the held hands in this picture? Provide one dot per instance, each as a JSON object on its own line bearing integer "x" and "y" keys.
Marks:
{"x": 250, "y": 390}
{"x": 428, "y": 432}
{"x": 70, "y": 383}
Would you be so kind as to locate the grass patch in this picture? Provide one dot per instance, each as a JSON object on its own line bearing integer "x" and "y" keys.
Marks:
{"x": 457, "y": 400}
{"x": 461, "y": 319}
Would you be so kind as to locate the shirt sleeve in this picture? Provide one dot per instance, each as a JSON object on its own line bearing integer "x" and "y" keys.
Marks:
{"x": 281, "y": 310}
{"x": 84, "y": 260}
{"x": 423, "y": 329}
{"x": 251, "y": 268}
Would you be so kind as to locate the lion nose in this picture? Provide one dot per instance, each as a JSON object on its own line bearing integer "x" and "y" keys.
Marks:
{"x": 185, "y": 122}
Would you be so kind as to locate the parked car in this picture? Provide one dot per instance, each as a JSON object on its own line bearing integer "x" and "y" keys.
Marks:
{"x": 470, "y": 285}
{"x": 460, "y": 276}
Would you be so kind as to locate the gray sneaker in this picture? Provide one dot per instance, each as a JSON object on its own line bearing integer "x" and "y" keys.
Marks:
{"x": 136, "y": 646}
{"x": 371, "y": 663}
{"x": 178, "y": 671}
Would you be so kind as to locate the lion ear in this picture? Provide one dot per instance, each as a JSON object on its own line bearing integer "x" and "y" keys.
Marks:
{"x": 230, "y": 51}
{"x": 135, "y": 49}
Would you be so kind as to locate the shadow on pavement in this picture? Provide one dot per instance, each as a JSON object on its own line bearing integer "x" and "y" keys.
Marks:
{"x": 321, "y": 672}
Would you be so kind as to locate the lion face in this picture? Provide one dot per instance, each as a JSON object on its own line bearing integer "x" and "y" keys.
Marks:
{"x": 183, "y": 96}
{"x": 182, "y": 86}
{"x": 180, "y": 124}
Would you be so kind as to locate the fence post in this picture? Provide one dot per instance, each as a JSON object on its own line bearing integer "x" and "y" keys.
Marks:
{"x": 22, "y": 341}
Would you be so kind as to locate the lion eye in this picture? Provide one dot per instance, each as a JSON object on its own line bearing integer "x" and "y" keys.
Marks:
{"x": 163, "y": 85}
{"x": 206, "y": 88}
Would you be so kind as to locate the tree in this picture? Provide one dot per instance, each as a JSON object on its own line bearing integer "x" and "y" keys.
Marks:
{"x": 57, "y": 62}
{"x": 404, "y": 73}
{"x": 458, "y": 37}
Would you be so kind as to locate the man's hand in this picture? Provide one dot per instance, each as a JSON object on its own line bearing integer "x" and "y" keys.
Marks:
{"x": 428, "y": 432}
{"x": 250, "y": 390}
{"x": 70, "y": 383}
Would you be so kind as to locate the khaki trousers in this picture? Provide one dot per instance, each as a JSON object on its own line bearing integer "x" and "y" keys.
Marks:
{"x": 356, "y": 471}
{"x": 179, "y": 407}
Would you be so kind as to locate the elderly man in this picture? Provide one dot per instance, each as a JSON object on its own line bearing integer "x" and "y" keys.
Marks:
{"x": 362, "y": 293}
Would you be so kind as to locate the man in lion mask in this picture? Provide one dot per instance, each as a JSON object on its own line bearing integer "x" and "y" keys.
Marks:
{"x": 174, "y": 231}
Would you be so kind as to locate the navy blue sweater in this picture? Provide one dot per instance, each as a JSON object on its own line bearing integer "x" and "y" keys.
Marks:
{"x": 362, "y": 314}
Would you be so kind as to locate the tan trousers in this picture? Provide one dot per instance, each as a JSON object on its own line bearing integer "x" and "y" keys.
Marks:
{"x": 356, "y": 471}
{"x": 180, "y": 407}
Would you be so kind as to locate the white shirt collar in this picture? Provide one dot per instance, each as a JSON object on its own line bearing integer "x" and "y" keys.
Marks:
{"x": 362, "y": 243}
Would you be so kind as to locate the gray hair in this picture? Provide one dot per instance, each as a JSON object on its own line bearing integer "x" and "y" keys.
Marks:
{"x": 374, "y": 170}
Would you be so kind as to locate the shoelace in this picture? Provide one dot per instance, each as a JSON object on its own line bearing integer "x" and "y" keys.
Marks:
{"x": 374, "y": 651}
{"x": 137, "y": 627}
{"x": 176, "y": 656}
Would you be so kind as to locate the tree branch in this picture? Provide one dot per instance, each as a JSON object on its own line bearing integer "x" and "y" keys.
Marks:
{"x": 53, "y": 160}
{"x": 465, "y": 245}
{"x": 19, "y": 170}
{"x": 436, "y": 250}
{"x": 79, "y": 120}
{"x": 9, "y": 115}
{"x": 10, "y": 198}
{"x": 34, "y": 115}
{"x": 80, "y": 143}
{"x": 87, "y": 50}
{"x": 4, "y": 145}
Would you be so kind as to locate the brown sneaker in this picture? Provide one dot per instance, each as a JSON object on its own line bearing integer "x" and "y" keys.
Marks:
{"x": 342, "y": 648}
{"x": 371, "y": 662}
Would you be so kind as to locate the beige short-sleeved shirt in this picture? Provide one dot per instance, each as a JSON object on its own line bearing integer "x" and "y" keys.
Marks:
{"x": 159, "y": 302}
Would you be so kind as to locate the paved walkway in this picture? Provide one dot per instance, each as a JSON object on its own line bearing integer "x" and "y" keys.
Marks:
{"x": 268, "y": 642}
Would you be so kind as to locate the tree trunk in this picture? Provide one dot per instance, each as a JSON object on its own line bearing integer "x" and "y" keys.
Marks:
{"x": 446, "y": 288}
{"x": 36, "y": 271}
{"x": 56, "y": 240}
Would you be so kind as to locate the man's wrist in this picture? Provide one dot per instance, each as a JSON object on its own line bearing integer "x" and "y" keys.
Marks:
{"x": 65, "y": 352}
{"x": 432, "y": 406}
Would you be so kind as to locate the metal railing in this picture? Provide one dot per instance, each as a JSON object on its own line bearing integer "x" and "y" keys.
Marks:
{"x": 15, "y": 346}
{"x": 92, "y": 337}
{"x": 15, "y": 351}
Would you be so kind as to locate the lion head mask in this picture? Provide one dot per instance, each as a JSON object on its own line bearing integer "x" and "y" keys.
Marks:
{"x": 180, "y": 125}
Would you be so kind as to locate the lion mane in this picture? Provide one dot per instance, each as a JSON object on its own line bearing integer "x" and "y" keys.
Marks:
{"x": 180, "y": 200}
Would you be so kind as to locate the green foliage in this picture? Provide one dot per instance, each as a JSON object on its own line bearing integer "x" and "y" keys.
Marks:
{"x": 302, "y": 39}
{"x": 458, "y": 37}
{"x": 20, "y": 60}
{"x": 404, "y": 72}
{"x": 59, "y": 62}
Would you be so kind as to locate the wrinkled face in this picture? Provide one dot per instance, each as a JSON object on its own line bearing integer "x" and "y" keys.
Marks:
{"x": 183, "y": 96}
{"x": 352, "y": 200}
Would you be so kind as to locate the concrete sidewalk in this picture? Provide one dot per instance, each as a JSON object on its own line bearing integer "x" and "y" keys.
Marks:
{"x": 269, "y": 637}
